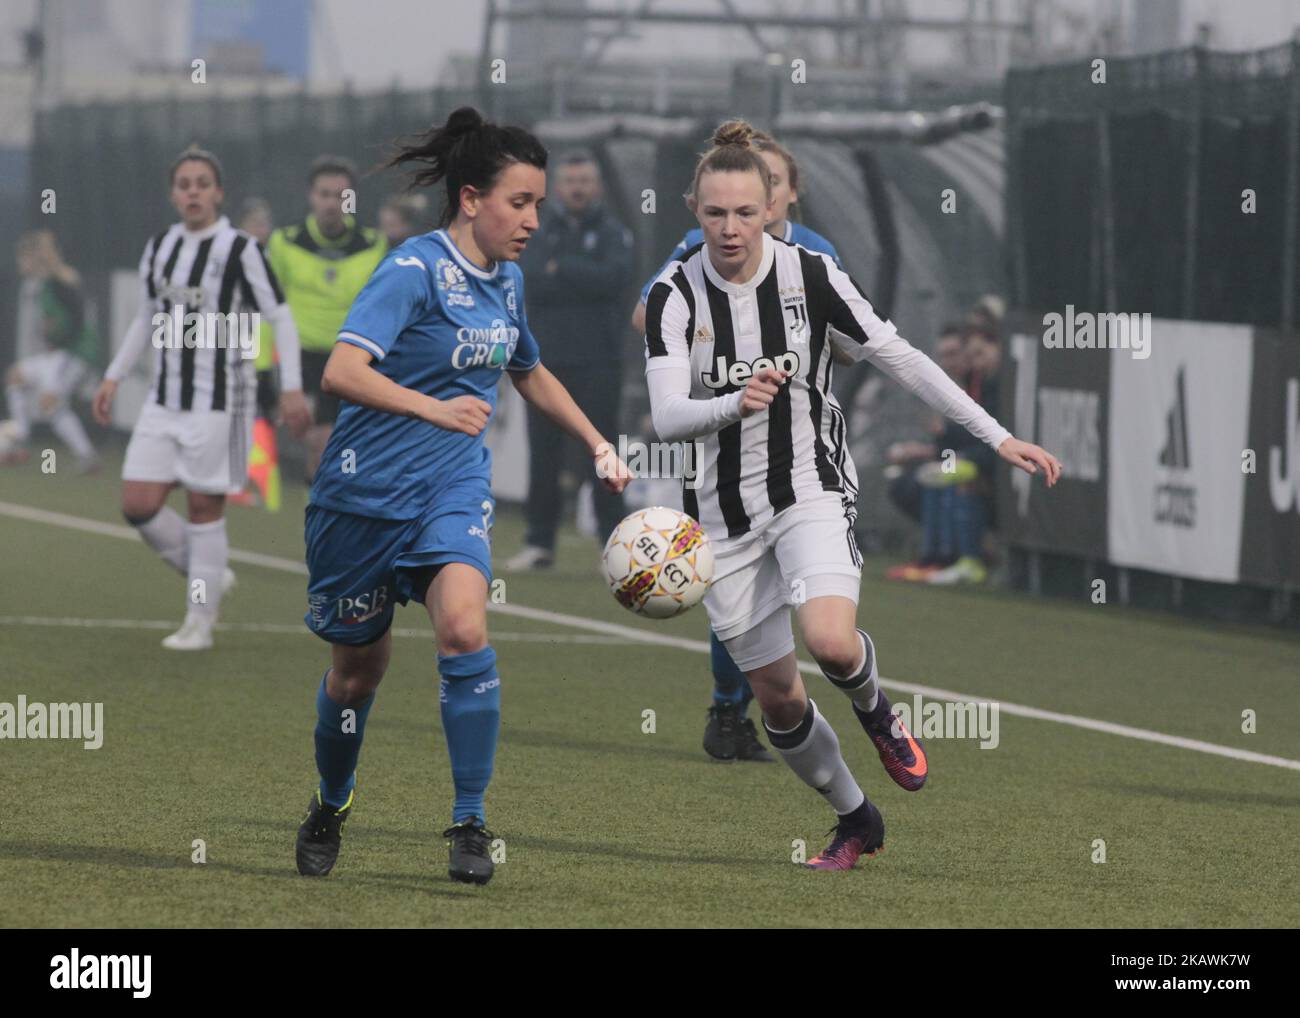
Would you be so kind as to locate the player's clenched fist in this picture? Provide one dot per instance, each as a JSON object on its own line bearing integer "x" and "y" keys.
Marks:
{"x": 614, "y": 474}
{"x": 763, "y": 386}
{"x": 463, "y": 413}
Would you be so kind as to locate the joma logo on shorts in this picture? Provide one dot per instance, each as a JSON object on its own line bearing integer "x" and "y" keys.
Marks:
{"x": 740, "y": 372}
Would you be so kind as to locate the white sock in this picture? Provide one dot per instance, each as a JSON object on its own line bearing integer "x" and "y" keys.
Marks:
{"x": 208, "y": 552}
{"x": 862, "y": 685}
{"x": 19, "y": 411}
{"x": 166, "y": 535}
{"x": 68, "y": 427}
{"x": 813, "y": 752}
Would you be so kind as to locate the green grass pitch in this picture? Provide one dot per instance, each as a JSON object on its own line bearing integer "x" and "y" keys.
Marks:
{"x": 603, "y": 824}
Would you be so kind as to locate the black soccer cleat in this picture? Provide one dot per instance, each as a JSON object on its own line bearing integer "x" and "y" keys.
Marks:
{"x": 319, "y": 836}
{"x": 902, "y": 754}
{"x": 722, "y": 731}
{"x": 851, "y": 842}
{"x": 748, "y": 745}
{"x": 468, "y": 843}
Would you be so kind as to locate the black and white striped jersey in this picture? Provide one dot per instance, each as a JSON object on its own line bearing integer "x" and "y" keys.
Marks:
{"x": 215, "y": 270}
{"x": 795, "y": 308}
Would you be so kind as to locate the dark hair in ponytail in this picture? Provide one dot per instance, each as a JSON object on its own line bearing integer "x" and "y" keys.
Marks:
{"x": 466, "y": 150}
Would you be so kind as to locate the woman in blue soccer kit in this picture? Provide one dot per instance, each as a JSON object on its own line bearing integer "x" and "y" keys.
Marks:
{"x": 401, "y": 507}
{"x": 728, "y": 732}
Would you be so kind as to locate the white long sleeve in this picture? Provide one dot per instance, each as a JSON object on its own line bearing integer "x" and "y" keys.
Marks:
{"x": 677, "y": 417}
{"x": 922, "y": 377}
{"x": 858, "y": 332}
{"x": 141, "y": 327}
{"x": 287, "y": 347}
{"x": 137, "y": 334}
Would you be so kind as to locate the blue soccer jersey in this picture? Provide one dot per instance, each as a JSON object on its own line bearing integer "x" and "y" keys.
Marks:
{"x": 795, "y": 233}
{"x": 437, "y": 323}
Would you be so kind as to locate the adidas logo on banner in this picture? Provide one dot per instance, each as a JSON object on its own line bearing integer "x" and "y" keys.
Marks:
{"x": 1175, "y": 454}
{"x": 1176, "y": 503}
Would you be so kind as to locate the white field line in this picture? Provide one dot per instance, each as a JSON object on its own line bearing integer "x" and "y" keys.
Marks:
{"x": 165, "y": 625}
{"x": 638, "y": 635}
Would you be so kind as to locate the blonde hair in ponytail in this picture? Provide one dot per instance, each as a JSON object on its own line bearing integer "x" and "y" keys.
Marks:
{"x": 732, "y": 152}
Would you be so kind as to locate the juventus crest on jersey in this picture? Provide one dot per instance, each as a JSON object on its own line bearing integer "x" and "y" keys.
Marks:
{"x": 216, "y": 270}
{"x": 787, "y": 316}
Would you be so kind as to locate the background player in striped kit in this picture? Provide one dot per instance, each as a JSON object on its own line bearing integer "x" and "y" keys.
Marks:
{"x": 195, "y": 427}
{"x": 739, "y": 336}
{"x": 728, "y": 732}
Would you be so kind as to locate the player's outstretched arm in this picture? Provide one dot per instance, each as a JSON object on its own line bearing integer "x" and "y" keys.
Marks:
{"x": 547, "y": 393}
{"x": 348, "y": 374}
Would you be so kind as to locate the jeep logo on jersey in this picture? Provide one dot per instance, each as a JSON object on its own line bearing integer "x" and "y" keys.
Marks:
{"x": 739, "y": 373}
{"x": 491, "y": 347}
{"x": 174, "y": 293}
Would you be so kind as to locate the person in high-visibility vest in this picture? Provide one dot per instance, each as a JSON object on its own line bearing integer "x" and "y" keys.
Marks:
{"x": 322, "y": 263}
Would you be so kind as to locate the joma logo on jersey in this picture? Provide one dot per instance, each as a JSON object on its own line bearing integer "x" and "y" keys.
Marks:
{"x": 740, "y": 372}
{"x": 451, "y": 281}
{"x": 363, "y": 607}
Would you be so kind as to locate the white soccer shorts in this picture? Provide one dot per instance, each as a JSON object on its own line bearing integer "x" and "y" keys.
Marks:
{"x": 56, "y": 372}
{"x": 803, "y": 552}
{"x": 202, "y": 450}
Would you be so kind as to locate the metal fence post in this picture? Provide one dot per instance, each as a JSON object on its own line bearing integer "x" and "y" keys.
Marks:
{"x": 1289, "y": 195}
{"x": 1191, "y": 217}
{"x": 1107, "y": 204}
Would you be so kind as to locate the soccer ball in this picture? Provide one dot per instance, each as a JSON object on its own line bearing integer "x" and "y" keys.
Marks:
{"x": 658, "y": 562}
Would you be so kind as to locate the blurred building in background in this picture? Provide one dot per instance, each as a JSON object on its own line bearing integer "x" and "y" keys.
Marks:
{"x": 888, "y": 104}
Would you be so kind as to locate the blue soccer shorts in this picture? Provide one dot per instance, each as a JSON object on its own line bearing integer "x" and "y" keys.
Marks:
{"x": 362, "y": 567}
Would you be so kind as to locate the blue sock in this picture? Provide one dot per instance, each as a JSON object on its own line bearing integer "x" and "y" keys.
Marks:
{"x": 929, "y": 525}
{"x": 470, "y": 695}
{"x": 968, "y": 511}
{"x": 729, "y": 683}
{"x": 946, "y": 544}
{"x": 337, "y": 750}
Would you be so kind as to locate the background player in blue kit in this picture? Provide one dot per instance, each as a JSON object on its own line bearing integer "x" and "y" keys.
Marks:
{"x": 728, "y": 732}
{"x": 401, "y": 508}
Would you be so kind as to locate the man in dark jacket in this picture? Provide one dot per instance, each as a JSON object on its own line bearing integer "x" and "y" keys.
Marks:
{"x": 577, "y": 268}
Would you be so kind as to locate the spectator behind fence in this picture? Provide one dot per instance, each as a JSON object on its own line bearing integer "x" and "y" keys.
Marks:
{"x": 576, "y": 269}
{"x": 322, "y": 263}
{"x": 55, "y": 353}
{"x": 255, "y": 219}
{"x": 953, "y": 481}
{"x": 906, "y": 458}
{"x": 402, "y": 217}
